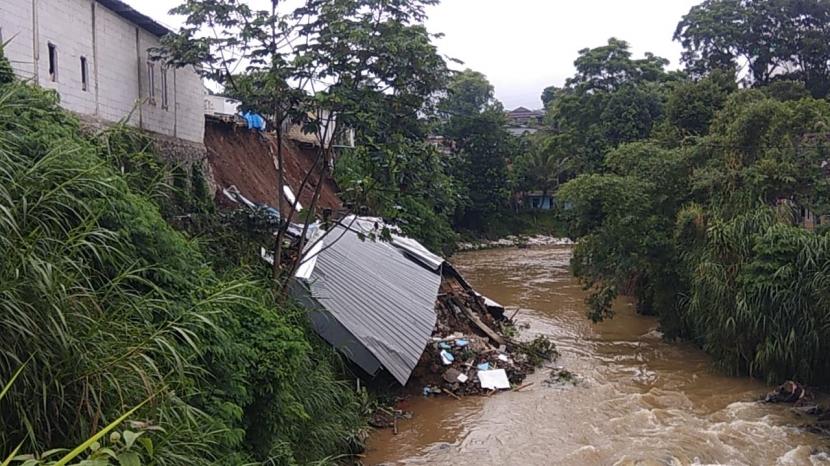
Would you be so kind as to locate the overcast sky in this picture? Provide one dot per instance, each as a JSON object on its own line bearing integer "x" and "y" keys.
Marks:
{"x": 524, "y": 46}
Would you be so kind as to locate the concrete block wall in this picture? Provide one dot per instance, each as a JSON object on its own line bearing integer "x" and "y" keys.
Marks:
{"x": 68, "y": 25}
{"x": 190, "y": 100}
{"x": 154, "y": 116}
{"x": 117, "y": 70}
{"x": 16, "y": 28}
{"x": 116, "y": 53}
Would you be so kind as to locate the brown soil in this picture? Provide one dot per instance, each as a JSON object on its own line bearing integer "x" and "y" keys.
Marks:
{"x": 243, "y": 158}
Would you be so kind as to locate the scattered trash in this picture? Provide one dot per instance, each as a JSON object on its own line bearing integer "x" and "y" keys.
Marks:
{"x": 447, "y": 357}
{"x": 473, "y": 341}
{"x": 514, "y": 241}
{"x": 254, "y": 121}
{"x": 452, "y": 375}
{"x": 523, "y": 387}
{"x": 428, "y": 390}
{"x": 387, "y": 417}
{"x": 494, "y": 379}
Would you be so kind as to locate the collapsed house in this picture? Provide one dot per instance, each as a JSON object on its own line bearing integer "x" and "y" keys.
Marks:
{"x": 387, "y": 303}
{"x": 371, "y": 299}
{"x": 380, "y": 298}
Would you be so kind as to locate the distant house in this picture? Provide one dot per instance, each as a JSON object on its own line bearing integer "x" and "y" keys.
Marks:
{"x": 519, "y": 131}
{"x": 537, "y": 200}
{"x": 94, "y": 53}
{"x": 333, "y": 136}
{"x": 442, "y": 144}
{"x": 523, "y": 117}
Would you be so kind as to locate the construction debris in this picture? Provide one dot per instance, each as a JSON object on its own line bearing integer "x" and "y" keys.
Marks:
{"x": 470, "y": 329}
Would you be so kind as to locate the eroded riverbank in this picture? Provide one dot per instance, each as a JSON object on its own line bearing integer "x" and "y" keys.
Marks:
{"x": 639, "y": 400}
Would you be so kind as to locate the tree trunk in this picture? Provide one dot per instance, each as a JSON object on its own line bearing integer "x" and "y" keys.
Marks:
{"x": 283, "y": 221}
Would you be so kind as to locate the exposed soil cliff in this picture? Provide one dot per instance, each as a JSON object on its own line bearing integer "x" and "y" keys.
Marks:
{"x": 247, "y": 159}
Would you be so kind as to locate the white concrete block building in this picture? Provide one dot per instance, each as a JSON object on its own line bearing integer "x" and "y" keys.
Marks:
{"x": 95, "y": 54}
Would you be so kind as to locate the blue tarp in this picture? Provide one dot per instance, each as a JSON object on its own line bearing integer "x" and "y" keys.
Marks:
{"x": 255, "y": 121}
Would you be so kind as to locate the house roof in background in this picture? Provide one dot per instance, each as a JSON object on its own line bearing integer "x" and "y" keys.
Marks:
{"x": 134, "y": 16}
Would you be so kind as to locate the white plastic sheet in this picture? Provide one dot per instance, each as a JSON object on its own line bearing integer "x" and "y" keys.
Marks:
{"x": 494, "y": 379}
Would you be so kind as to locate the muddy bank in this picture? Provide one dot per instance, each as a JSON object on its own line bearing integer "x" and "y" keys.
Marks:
{"x": 633, "y": 398}
{"x": 243, "y": 158}
{"x": 513, "y": 241}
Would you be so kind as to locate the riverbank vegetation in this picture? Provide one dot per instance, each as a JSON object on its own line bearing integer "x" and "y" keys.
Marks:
{"x": 105, "y": 305}
{"x": 703, "y": 193}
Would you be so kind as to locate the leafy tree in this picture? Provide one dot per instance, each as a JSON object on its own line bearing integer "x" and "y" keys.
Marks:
{"x": 549, "y": 94}
{"x": 766, "y": 40}
{"x": 538, "y": 169}
{"x": 316, "y": 64}
{"x": 785, "y": 90}
{"x": 474, "y": 122}
{"x": 691, "y": 106}
{"x": 706, "y": 235}
{"x": 612, "y": 99}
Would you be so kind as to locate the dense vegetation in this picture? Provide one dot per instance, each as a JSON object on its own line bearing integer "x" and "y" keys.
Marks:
{"x": 104, "y": 305}
{"x": 700, "y": 199}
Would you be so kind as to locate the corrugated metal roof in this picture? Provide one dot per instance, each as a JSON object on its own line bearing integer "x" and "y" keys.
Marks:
{"x": 380, "y": 295}
{"x": 374, "y": 226}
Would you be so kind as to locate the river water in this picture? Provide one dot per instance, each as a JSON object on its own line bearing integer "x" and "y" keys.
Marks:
{"x": 638, "y": 400}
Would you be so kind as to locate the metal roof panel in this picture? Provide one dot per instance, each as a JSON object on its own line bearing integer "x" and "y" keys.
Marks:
{"x": 380, "y": 295}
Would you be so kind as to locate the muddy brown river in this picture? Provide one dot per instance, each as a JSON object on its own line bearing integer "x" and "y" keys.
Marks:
{"x": 638, "y": 401}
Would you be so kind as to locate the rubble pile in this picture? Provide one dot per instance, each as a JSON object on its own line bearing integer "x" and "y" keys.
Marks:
{"x": 470, "y": 353}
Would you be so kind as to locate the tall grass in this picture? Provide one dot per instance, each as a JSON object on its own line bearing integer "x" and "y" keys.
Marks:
{"x": 110, "y": 306}
{"x": 102, "y": 324}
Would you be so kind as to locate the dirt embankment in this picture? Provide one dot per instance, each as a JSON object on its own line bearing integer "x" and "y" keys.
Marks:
{"x": 243, "y": 158}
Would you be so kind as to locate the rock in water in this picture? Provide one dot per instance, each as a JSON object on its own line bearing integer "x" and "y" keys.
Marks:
{"x": 788, "y": 392}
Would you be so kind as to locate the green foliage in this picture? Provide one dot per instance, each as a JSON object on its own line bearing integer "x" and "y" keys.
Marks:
{"x": 110, "y": 306}
{"x": 691, "y": 106}
{"x": 539, "y": 351}
{"x": 473, "y": 121}
{"x": 771, "y": 39}
{"x": 612, "y": 99}
{"x": 6, "y": 71}
{"x": 702, "y": 233}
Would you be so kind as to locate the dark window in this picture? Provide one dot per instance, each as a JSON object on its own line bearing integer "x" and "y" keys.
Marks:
{"x": 164, "y": 95}
{"x": 84, "y": 74}
{"x": 151, "y": 82}
{"x": 53, "y": 62}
